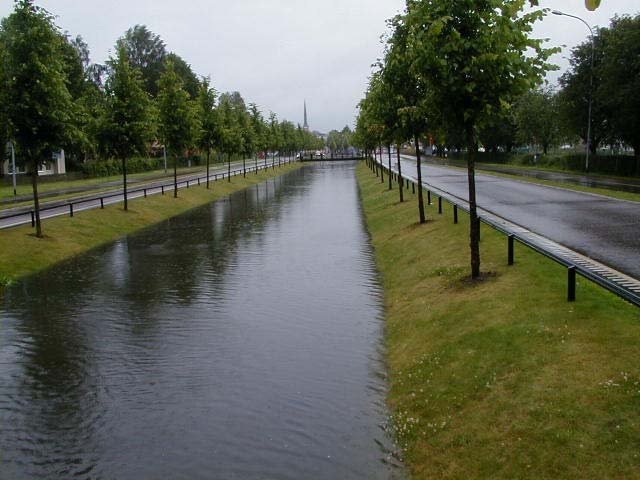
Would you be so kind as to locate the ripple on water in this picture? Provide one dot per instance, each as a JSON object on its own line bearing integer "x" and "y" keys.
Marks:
{"x": 240, "y": 340}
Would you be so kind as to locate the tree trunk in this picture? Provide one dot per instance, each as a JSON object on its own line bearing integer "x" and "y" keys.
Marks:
{"x": 381, "y": 165}
{"x": 419, "y": 166}
{"x": 474, "y": 226}
{"x": 124, "y": 183}
{"x": 175, "y": 176}
{"x": 389, "y": 155}
{"x": 400, "y": 179}
{"x": 36, "y": 200}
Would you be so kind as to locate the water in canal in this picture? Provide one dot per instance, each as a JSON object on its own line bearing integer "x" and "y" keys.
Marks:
{"x": 241, "y": 340}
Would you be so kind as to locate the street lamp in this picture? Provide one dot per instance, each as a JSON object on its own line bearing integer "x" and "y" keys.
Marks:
{"x": 593, "y": 49}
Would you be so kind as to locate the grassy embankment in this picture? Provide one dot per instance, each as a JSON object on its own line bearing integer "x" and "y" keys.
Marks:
{"x": 500, "y": 378}
{"x": 22, "y": 253}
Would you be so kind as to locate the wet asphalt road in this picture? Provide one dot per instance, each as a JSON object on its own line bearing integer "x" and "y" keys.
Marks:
{"x": 631, "y": 185}
{"x": 605, "y": 229}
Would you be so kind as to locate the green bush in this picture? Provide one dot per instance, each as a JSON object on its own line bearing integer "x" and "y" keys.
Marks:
{"x": 105, "y": 168}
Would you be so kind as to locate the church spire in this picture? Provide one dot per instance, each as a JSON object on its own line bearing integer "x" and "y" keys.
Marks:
{"x": 306, "y": 123}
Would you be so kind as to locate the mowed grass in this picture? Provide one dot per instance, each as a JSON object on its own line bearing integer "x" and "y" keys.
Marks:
{"x": 22, "y": 253}
{"x": 501, "y": 378}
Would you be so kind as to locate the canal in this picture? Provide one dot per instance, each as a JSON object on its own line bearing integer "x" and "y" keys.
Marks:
{"x": 243, "y": 340}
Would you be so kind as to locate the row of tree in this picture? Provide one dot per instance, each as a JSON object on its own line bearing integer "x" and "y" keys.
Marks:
{"x": 451, "y": 66}
{"x": 52, "y": 97}
{"x": 547, "y": 117}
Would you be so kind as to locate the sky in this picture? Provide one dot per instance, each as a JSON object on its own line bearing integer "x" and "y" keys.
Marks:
{"x": 279, "y": 53}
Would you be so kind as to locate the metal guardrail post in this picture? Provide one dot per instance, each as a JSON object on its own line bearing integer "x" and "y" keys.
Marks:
{"x": 71, "y": 209}
{"x": 428, "y": 197}
{"x": 440, "y": 205}
{"x": 455, "y": 213}
{"x": 187, "y": 183}
{"x": 510, "y": 250}
{"x": 33, "y": 219}
{"x": 198, "y": 180}
{"x": 413, "y": 187}
{"x": 101, "y": 203}
{"x": 145, "y": 193}
{"x": 162, "y": 187}
{"x": 571, "y": 279}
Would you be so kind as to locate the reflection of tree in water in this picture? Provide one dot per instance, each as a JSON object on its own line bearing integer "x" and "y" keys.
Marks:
{"x": 186, "y": 256}
{"x": 53, "y": 394}
{"x": 92, "y": 321}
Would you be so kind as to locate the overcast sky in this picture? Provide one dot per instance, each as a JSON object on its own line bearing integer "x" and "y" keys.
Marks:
{"x": 277, "y": 53}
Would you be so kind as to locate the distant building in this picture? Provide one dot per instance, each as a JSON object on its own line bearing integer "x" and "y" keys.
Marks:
{"x": 55, "y": 166}
{"x": 306, "y": 120}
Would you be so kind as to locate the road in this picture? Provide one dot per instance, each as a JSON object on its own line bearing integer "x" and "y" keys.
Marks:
{"x": 22, "y": 215}
{"x": 631, "y": 185}
{"x": 603, "y": 228}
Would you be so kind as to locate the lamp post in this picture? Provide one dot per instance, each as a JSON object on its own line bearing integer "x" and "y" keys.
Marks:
{"x": 593, "y": 49}
{"x": 13, "y": 167}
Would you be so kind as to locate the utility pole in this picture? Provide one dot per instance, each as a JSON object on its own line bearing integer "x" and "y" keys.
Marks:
{"x": 164, "y": 149}
{"x": 13, "y": 167}
{"x": 593, "y": 49}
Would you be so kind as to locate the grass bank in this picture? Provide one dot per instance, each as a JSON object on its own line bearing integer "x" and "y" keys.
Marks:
{"x": 500, "y": 378}
{"x": 22, "y": 253}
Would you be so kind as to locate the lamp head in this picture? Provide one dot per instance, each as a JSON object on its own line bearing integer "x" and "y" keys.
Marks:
{"x": 557, "y": 12}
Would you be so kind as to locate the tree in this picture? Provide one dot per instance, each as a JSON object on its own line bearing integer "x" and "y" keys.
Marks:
{"x": 499, "y": 132}
{"x": 147, "y": 52}
{"x": 178, "y": 124}
{"x": 189, "y": 79}
{"x": 383, "y": 109}
{"x": 209, "y": 134}
{"x": 128, "y": 121}
{"x": 248, "y": 137}
{"x": 87, "y": 98}
{"x": 538, "y": 120}
{"x": 409, "y": 91}
{"x": 274, "y": 134}
{"x": 231, "y": 137}
{"x": 37, "y": 101}
{"x": 620, "y": 81}
{"x": 577, "y": 90}
{"x": 259, "y": 131}
{"x": 472, "y": 57}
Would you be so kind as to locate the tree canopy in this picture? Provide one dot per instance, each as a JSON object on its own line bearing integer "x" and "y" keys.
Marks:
{"x": 37, "y": 103}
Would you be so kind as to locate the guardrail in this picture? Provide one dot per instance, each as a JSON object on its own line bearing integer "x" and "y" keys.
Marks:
{"x": 149, "y": 189}
{"x": 618, "y": 283}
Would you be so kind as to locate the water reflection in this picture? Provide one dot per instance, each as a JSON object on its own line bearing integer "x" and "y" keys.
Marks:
{"x": 241, "y": 340}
